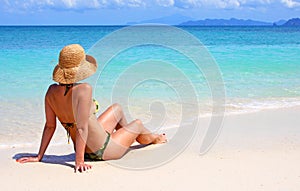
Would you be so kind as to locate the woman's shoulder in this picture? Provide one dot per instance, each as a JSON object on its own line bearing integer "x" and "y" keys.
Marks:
{"x": 52, "y": 87}
{"x": 83, "y": 86}
{"x": 82, "y": 89}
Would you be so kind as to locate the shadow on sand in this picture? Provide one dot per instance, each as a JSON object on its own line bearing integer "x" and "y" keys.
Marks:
{"x": 51, "y": 159}
{"x": 64, "y": 159}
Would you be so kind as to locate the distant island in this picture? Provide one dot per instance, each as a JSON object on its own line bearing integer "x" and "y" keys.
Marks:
{"x": 292, "y": 22}
{"x": 240, "y": 22}
{"x": 226, "y": 22}
{"x": 181, "y": 20}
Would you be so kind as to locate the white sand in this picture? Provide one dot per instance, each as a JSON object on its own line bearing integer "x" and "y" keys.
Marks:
{"x": 255, "y": 151}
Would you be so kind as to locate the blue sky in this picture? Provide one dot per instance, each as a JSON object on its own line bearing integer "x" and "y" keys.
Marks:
{"x": 111, "y": 12}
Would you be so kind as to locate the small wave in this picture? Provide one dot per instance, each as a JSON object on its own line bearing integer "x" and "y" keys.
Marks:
{"x": 240, "y": 106}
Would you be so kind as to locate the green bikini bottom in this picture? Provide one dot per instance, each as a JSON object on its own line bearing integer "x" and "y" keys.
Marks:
{"x": 97, "y": 156}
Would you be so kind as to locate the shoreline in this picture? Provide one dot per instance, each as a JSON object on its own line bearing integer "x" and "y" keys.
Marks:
{"x": 60, "y": 134}
{"x": 255, "y": 151}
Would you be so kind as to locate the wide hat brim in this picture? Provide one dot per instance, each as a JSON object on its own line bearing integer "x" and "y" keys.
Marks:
{"x": 85, "y": 69}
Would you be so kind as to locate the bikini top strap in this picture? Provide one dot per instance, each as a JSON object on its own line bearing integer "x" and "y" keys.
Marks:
{"x": 68, "y": 87}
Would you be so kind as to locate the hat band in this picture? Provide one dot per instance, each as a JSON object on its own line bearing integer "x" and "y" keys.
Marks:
{"x": 69, "y": 73}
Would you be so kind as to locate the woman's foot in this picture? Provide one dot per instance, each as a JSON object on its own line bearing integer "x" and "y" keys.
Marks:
{"x": 160, "y": 139}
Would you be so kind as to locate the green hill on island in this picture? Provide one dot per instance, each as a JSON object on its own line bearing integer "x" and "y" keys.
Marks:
{"x": 292, "y": 22}
{"x": 240, "y": 22}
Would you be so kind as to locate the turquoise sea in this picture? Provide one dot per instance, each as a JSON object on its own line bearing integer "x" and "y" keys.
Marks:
{"x": 260, "y": 67}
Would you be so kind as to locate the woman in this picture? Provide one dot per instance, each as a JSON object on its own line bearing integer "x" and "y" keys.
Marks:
{"x": 107, "y": 137}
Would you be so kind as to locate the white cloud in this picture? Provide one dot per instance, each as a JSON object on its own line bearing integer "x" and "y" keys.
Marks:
{"x": 165, "y": 3}
{"x": 33, "y": 5}
{"x": 291, "y": 3}
{"x": 186, "y": 4}
{"x": 222, "y": 3}
{"x": 74, "y": 4}
{"x": 119, "y": 3}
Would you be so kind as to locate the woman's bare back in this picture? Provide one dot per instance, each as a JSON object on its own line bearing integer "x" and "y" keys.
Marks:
{"x": 65, "y": 108}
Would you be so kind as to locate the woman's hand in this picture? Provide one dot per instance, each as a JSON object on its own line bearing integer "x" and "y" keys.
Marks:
{"x": 28, "y": 159}
{"x": 81, "y": 167}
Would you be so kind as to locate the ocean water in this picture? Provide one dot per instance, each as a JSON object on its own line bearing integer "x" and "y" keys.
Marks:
{"x": 260, "y": 68}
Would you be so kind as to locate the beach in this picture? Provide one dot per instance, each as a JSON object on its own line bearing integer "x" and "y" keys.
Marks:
{"x": 249, "y": 74}
{"x": 246, "y": 156}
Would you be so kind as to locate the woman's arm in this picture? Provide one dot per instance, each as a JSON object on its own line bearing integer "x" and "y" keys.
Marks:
{"x": 48, "y": 132}
{"x": 49, "y": 129}
{"x": 83, "y": 100}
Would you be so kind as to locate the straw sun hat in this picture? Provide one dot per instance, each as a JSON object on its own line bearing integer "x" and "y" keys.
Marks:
{"x": 74, "y": 65}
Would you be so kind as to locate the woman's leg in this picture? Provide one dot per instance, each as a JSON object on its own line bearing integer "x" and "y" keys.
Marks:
{"x": 112, "y": 118}
{"x": 135, "y": 131}
{"x": 123, "y": 138}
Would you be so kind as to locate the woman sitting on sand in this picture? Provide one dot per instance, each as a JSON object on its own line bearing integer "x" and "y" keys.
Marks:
{"x": 107, "y": 137}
